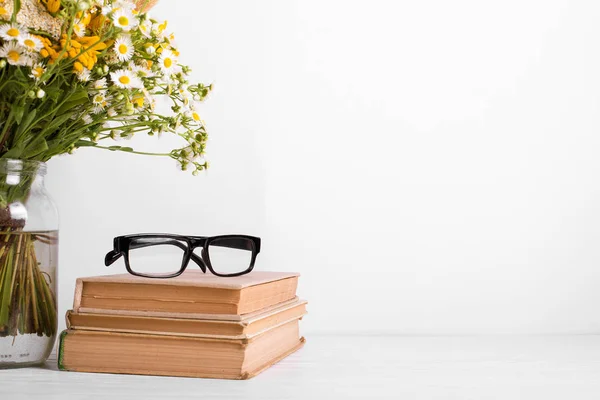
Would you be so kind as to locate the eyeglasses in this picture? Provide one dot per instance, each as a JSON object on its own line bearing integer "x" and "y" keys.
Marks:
{"x": 167, "y": 256}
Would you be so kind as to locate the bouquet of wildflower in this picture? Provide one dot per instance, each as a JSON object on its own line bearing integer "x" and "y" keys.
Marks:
{"x": 75, "y": 73}
{"x": 79, "y": 73}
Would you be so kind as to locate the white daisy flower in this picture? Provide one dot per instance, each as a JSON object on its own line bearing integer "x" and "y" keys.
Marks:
{"x": 124, "y": 4}
{"x": 87, "y": 118}
{"x": 123, "y": 48}
{"x": 99, "y": 84}
{"x": 125, "y": 79}
{"x": 79, "y": 29}
{"x": 4, "y": 14}
{"x": 12, "y": 31}
{"x": 193, "y": 114}
{"x": 140, "y": 70}
{"x": 30, "y": 43}
{"x": 146, "y": 28}
{"x": 111, "y": 112}
{"x": 106, "y": 10}
{"x": 99, "y": 99}
{"x": 37, "y": 71}
{"x": 14, "y": 54}
{"x": 83, "y": 75}
{"x": 124, "y": 19}
{"x": 168, "y": 62}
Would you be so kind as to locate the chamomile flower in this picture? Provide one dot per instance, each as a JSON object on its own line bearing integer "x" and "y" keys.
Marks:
{"x": 30, "y": 43}
{"x": 12, "y": 31}
{"x": 123, "y": 48}
{"x": 140, "y": 70}
{"x": 168, "y": 62}
{"x": 125, "y": 79}
{"x": 146, "y": 28}
{"x": 100, "y": 102}
{"x": 99, "y": 84}
{"x": 4, "y": 14}
{"x": 79, "y": 29}
{"x": 83, "y": 75}
{"x": 14, "y": 54}
{"x": 99, "y": 99}
{"x": 124, "y": 19}
{"x": 193, "y": 114}
{"x": 37, "y": 71}
{"x": 87, "y": 118}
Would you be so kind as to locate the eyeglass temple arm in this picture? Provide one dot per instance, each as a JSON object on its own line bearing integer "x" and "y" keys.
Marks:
{"x": 111, "y": 257}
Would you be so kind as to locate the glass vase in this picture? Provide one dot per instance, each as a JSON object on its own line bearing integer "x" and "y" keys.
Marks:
{"x": 28, "y": 264}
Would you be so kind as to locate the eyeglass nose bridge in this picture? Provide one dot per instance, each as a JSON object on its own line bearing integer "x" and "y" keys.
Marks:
{"x": 198, "y": 260}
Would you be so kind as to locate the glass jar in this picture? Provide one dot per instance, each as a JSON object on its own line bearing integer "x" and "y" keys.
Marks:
{"x": 28, "y": 264}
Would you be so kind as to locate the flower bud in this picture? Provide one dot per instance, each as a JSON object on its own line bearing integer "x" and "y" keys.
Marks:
{"x": 2, "y": 63}
{"x": 105, "y": 69}
{"x": 31, "y": 94}
{"x": 40, "y": 93}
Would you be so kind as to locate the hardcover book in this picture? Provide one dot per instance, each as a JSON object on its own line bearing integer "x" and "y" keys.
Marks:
{"x": 249, "y": 326}
{"x": 144, "y": 354}
{"x": 191, "y": 295}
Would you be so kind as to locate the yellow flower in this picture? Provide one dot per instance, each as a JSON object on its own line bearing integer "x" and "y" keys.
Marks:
{"x": 53, "y": 5}
{"x": 138, "y": 101}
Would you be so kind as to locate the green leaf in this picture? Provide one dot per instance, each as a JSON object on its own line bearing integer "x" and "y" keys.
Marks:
{"x": 15, "y": 152}
{"x": 16, "y": 9}
{"x": 85, "y": 143}
{"x": 18, "y": 112}
{"x": 36, "y": 149}
{"x": 127, "y": 149}
{"x": 24, "y": 124}
{"x": 77, "y": 98}
{"x": 56, "y": 122}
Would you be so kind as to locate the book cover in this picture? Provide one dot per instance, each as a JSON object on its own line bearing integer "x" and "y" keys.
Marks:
{"x": 191, "y": 294}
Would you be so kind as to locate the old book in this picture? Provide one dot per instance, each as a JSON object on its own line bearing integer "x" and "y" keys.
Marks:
{"x": 251, "y": 324}
{"x": 190, "y": 295}
{"x": 143, "y": 354}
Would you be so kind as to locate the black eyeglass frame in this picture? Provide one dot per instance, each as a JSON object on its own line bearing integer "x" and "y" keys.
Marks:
{"x": 122, "y": 245}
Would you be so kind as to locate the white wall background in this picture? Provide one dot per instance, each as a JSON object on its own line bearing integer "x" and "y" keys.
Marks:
{"x": 430, "y": 167}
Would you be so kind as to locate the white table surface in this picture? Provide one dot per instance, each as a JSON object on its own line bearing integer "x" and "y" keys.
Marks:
{"x": 369, "y": 367}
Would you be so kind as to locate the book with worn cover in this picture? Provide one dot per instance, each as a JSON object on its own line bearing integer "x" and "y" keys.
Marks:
{"x": 193, "y": 294}
{"x": 144, "y": 354}
{"x": 249, "y": 326}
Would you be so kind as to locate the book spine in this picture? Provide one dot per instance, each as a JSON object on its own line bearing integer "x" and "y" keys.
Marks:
{"x": 68, "y": 319}
{"x": 61, "y": 350}
{"x": 78, "y": 294}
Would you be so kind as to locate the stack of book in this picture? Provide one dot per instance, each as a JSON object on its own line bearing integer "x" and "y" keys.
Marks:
{"x": 196, "y": 325}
